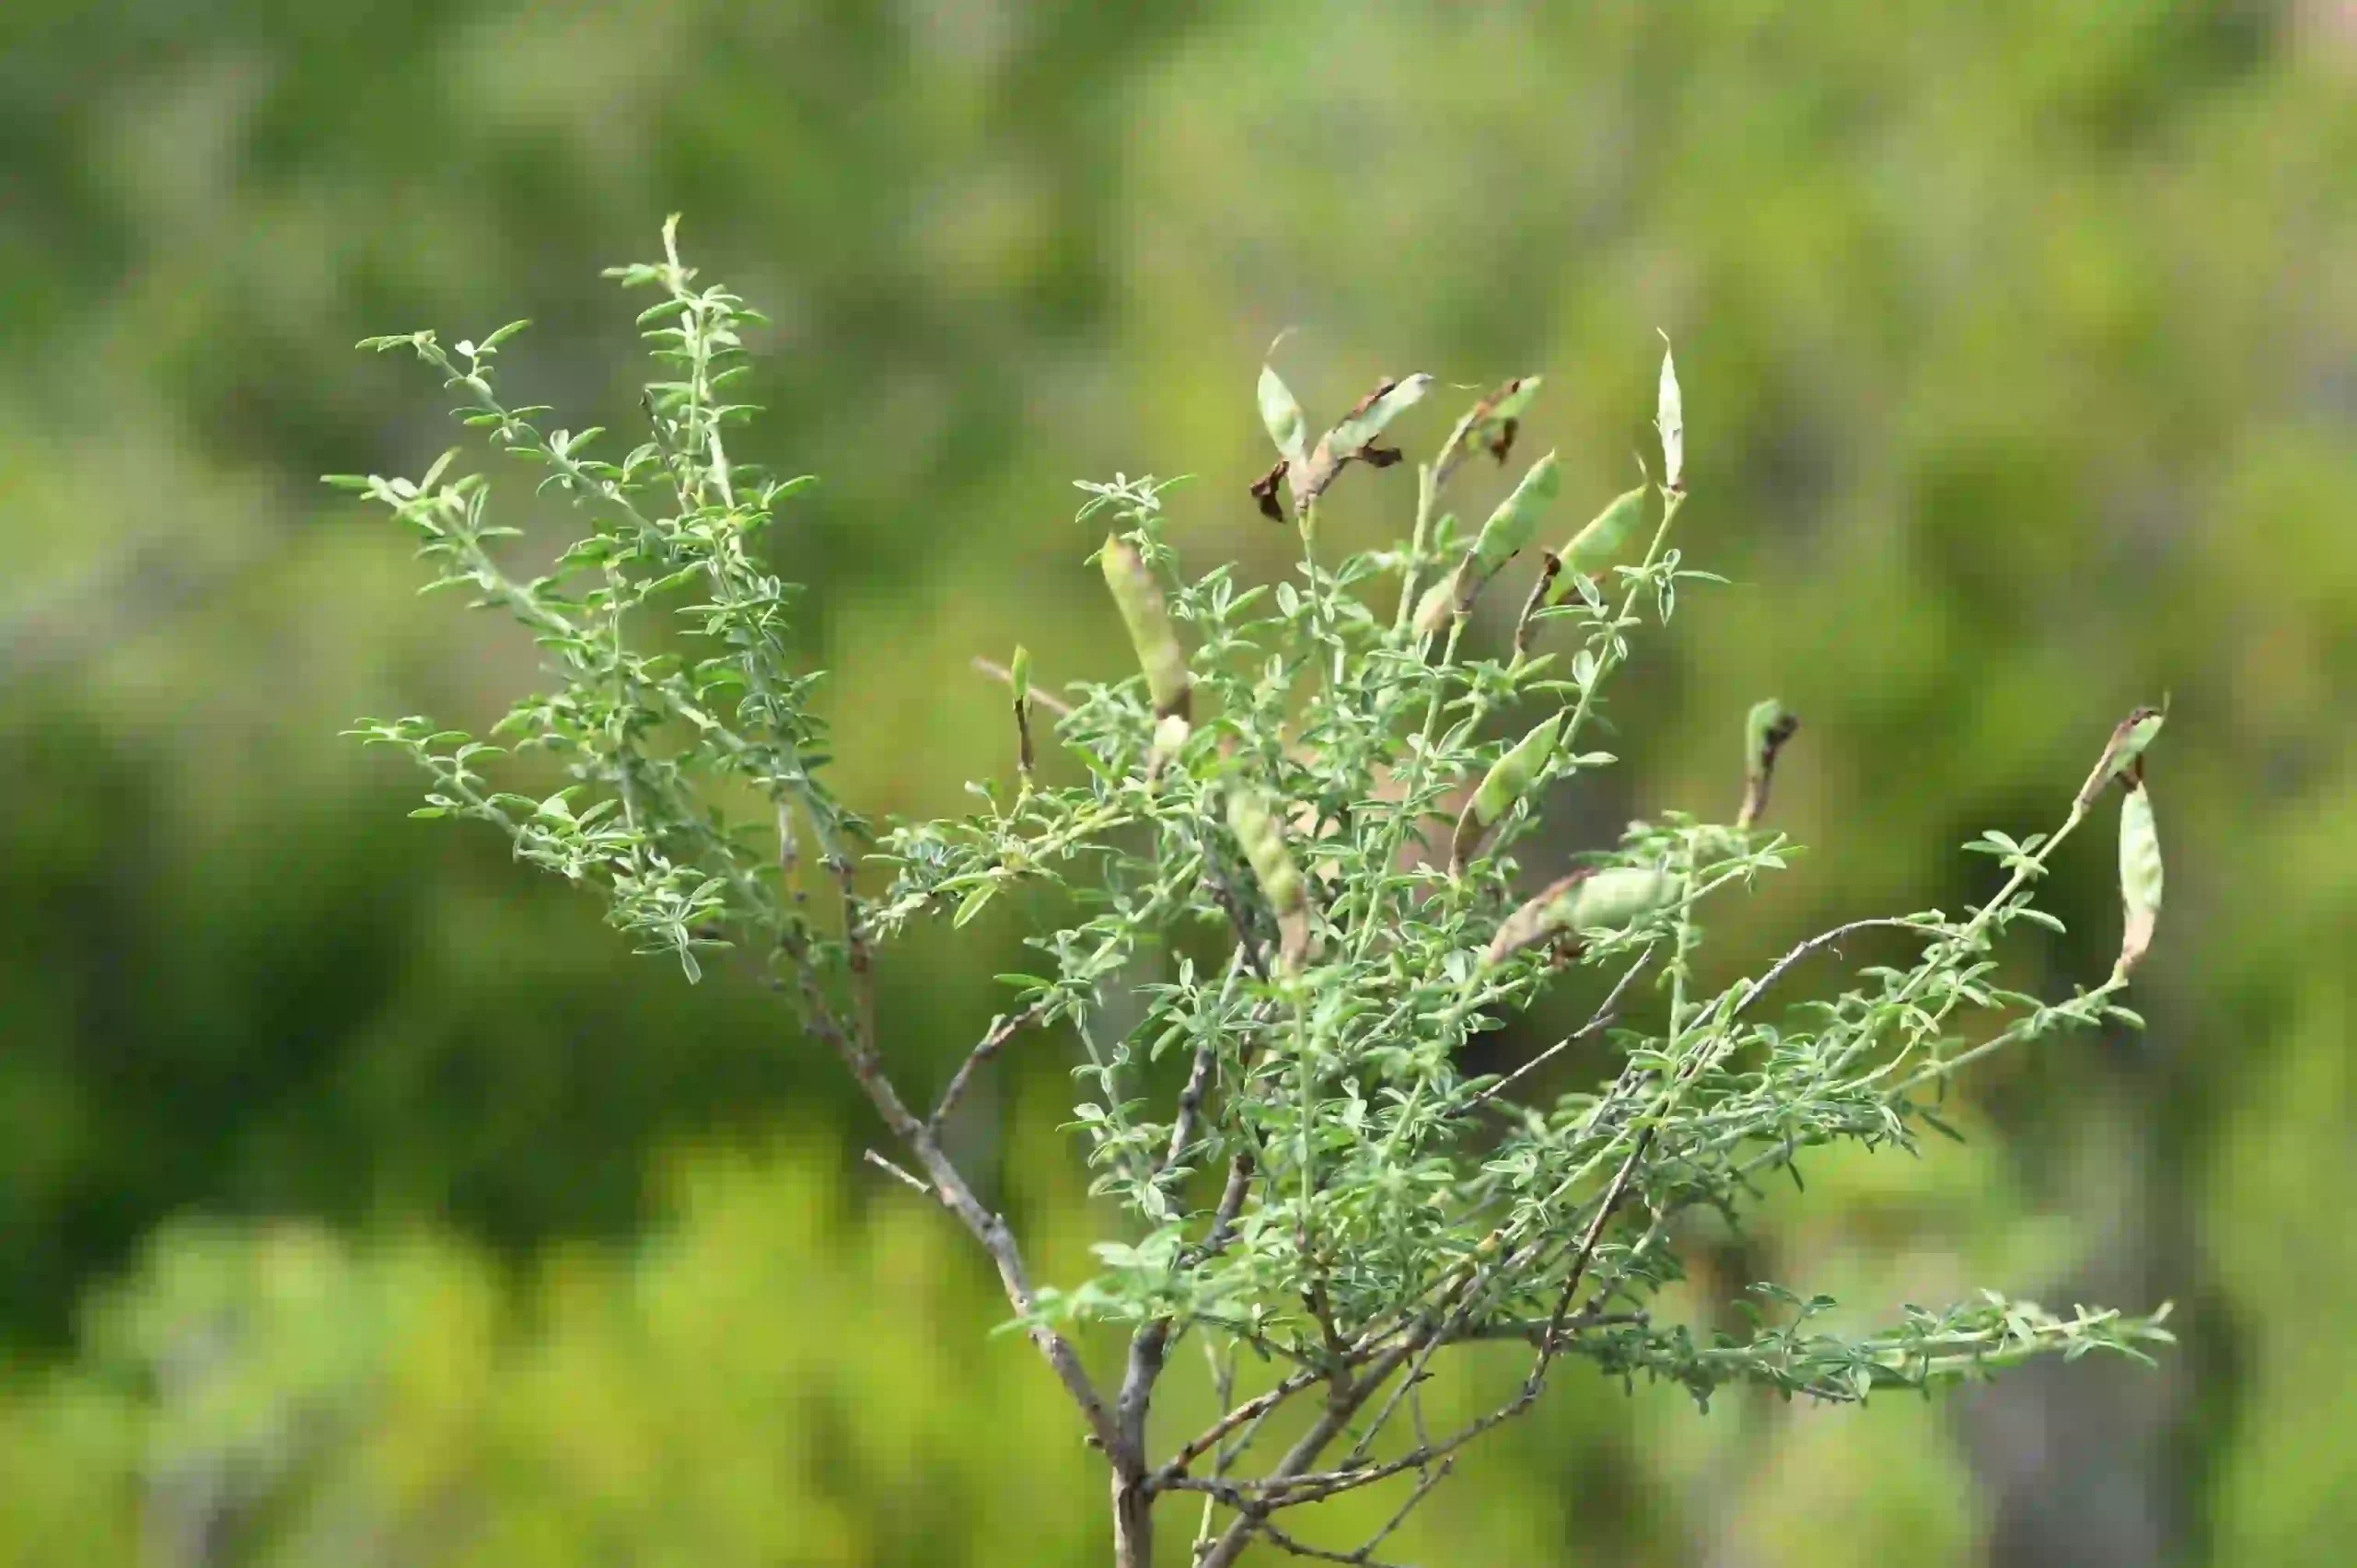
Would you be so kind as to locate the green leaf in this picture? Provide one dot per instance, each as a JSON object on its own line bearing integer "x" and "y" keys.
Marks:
{"x": 971, "y": 905}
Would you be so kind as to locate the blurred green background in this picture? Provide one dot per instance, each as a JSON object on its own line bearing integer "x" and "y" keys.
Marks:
{"x": 362, "y": 1203}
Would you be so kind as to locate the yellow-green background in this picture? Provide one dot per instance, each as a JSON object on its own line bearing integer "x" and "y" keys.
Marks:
{"x": 2020, "y": 347}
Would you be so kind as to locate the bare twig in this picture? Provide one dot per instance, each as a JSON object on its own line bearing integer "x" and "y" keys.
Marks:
{"x": 1607, "y": 1012}
{"x": 1822, "y": 940}
{"x": 1299, "y": 1548}
{"x": 885, "y": 1165}
{"x": 856, "y": 1047}
{"x": 1003, "y": 1029}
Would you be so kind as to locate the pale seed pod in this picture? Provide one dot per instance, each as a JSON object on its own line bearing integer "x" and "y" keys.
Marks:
{"x": 1261, "y": 837}
{"x": 1148, "y": 619}
{"x": 1508, "y": 779}
{"x": 1598, "y": 545}
{"x": 1669, "y": 419}
{"x": 2139, "y": 878}
{"x": 1281, "y": 414}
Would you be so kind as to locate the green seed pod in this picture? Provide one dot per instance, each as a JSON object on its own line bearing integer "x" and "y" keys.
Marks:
{"x": 1280, "y": 414}
{"x": 1434, "y": 610}
{"x": 2139, "y": 878}
{"x": 1596, "y": 546}
{"x": 1508, "y": 779}
{"x": 1618, "y": 896}
{"x": 1610, "y": 899}
{"x": 1148, "y": 619}
{"x": 1018, "y": 675}
{"x": 1262, "y": 839}
{"x": 1516, "y": 518}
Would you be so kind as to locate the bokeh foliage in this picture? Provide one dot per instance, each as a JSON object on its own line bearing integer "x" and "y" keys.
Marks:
{"x": 2026, "y": 331}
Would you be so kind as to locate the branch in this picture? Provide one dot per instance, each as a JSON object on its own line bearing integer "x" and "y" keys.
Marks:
{"x": 1607, "y": 1012}
{"x": 859, "y": 1055}
{"x": 1002, "y": 1030}
{"x": 1822, "y": 940}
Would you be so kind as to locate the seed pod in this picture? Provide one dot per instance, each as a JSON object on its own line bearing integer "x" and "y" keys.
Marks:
{"x": 1496, "y": 417}
{"x": 1765, "y": 730}
{"x": 1594, "y": 547}
{"x": 1366, "y": 421}
{"x": 1439, "y": 604}
{"x": 1018, "y": 675}
{"x": 1148, "y": 619}
{"x": 1669, "y": 419}
{"x": 1281, "y": 414}
{"x": 1508, "y": 779}
{"x": 1511, "y": 525}
{"x": 1610, "y": 899}
{"x": 2139, "y": 878}
{"x": 1262, "y": 839}
{"x": 1489, "y": 426}
{"x": 1619, "y": 896}
{"x": 1501, "y": 539}
{"x": 2123, "y": 755}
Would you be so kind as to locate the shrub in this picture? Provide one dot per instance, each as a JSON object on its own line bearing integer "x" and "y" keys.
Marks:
{"x": 1308, "y": 802}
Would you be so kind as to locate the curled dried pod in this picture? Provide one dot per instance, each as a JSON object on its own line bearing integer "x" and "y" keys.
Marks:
{"x": 1148, "y": 619}
{"x": 1765, "y": 730}
{"x": 2122, "y": 754}
{"x": 2139, "y": 878}
{"x": 1509, "y": 779}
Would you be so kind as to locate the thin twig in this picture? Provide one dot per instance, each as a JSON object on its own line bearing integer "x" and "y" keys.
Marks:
{"x": 1003, "y": 1029}
{"x": 885, "y": 1165}
{"x": 856, "y": 1047}
{"x": 1822, "y": 940}
{"x": 1605, "y": 1014}
{"x": 1299, "y": 1548}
